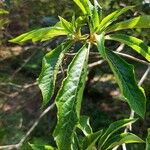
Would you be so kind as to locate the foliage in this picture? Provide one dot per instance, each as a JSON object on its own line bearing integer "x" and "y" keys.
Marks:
{"x": 69, "y": 96}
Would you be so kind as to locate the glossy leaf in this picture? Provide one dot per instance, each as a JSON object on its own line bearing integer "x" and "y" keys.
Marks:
{"x": 124, "y": 74}
{"x": 42, "y": 34}
{"x": 84, "y": 125}
{"x": 120, "y": 139}
{"x": 67, "y": 100}
{"x": 67, "y": 25}
{"x": 90, "y": 140}
{"x": 148, "y": 140}
{"x": 50, "y": 68}
{"x": 114, "y": 127}
{"x": 137, "y": 22}
{"x": 112, "y": 17}
{"x": 135, "y": 43}
{"x": 96, "y": 14}
{"x": 84, "y": 5}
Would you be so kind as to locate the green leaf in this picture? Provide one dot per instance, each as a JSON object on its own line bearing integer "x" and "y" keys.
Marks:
{"x": 90, "y": 140}
{"x": 113, "y": 127}
{"x": 3, "y": 11}
{"x": 75, "y": 145}
{"x": 84, "y": 125}
{"x": 42, "y": 34}
{"x": 67, "y": 100}
{"x": 135, "y": 43}
{"x": 41, "y": 147}
{"x": 50, "y": 68}
{"x": 123, "y": 138}
{"x": 148, "y": 140}
{"x": 85, "y": 6}
{"x": 96, "y": 14}
{"x": 137, "y": 22}
{"x": 112, "y": 17}
{"x": 124, "y": 74}
{"x": 67, "y": 25}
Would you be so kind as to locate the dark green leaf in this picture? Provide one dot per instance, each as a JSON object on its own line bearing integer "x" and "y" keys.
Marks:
{"x": 90, "y": 140}
{"x": 135, "y": 43}
{"x": 84, "y": 125}
{"x": 42, "y": 34}
{"x": 124, "y": 74}
{"x": 121, "y": 139}
{"x": 50, "y": 68}
{"x": 113, "y": 127}
{"x": 137, "y": 22}
{"x": 67, "y": 100}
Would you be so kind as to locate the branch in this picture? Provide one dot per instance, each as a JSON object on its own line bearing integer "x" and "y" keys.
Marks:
{"x": 133, "y": 58}
{"x": 17, "y": 146}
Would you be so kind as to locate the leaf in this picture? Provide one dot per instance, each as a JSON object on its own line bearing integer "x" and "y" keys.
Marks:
{"x": 148, "y": 140}
{"x": 112, "y": 17}
{"x": 84, "y": 125}
{"x": 67, "y": 25}
{"x": 50, "y": 68}
{"x": 135, "y": 43}
{"x": 96, "y": 14}
{"x": 90, "y": 140}
{"x": 75, "y": 145}
{"x": 67, "y": 100}
{"x": 41, "y": 147}
{"x": 124, "y": 74}
{"x": 137, "y": 22}
{"x": 85, "y": 6}
{"x": 3, "y": 11}
{"x": 42, "y": 34}
{"x": 113, "y": 127}
{"x": 123, "y": 138}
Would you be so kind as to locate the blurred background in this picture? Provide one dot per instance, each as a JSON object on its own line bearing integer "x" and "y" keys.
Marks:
{"x": 20, "y": 65}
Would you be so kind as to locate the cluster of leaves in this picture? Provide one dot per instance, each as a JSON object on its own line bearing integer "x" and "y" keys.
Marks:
{"x": 69, "y": 96}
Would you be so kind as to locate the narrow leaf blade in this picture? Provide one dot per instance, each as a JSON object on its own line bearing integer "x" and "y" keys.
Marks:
{"x": 135, "y": 43}
{"x": 114, "y": 127}
{"x": 123, "y": 138}
{"x": 137, "y": 22}
{"x": 96, "y": 14}
{"x": 50, "y": 68}
{"x": 42, "y": 34}
{"x": 3, "y": 11}
{"x": 112, "y": 17}
{"x": 66, "y": 101}
{"x": 85, "y": 6}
